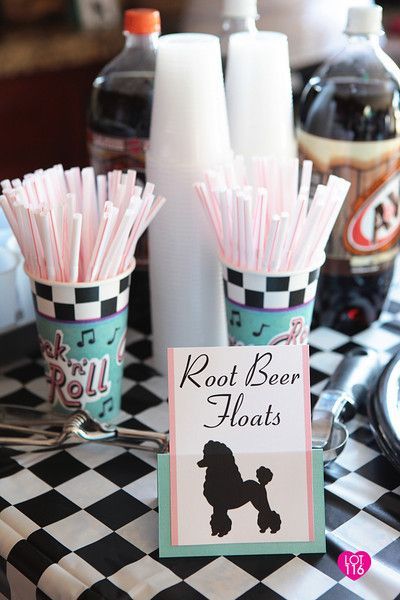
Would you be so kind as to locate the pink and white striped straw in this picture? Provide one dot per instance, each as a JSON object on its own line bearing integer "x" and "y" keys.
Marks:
{"x": 270, "y": 224}
{"x": 72, "y": 226}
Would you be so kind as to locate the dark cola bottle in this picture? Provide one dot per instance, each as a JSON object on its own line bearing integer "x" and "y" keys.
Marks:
{"x": 121, "y": 102}
{"x": 350, "y": 126}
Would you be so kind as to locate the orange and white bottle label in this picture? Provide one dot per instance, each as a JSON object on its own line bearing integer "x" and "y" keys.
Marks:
{"x": 367, "y": 230}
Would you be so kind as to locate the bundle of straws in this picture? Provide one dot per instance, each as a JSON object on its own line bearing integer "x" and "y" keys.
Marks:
{"x": 271, "y": 225}
{"x": 73, "y": 226}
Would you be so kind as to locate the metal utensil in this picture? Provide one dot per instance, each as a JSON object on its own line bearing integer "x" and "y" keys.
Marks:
{"x": 384, "y": 411}
{"x": 336, "y": 442}
{"x": 12, "y": 414}
{"x": 351, "y": 384}
{"x": 79, "y": 426}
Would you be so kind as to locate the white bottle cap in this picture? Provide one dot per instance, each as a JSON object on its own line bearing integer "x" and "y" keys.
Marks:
{"x": 240, "y": 8}
{"x": 364, "y": 20}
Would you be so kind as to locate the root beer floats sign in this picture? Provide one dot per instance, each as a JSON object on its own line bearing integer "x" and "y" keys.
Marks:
{"x": 368, "y": 228}
{"x": 240, "y": 409}
{"x": 82, "y": 335}
{"x": 240, "y": 439}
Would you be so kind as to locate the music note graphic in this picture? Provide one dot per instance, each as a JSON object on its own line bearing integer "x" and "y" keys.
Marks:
{"x": 237, "y": 320}
{"x": 113, "y": 337}
{"x": 108, "y": 405}
{"x": 258, "y": 333}
{"x": 87, "y": 332}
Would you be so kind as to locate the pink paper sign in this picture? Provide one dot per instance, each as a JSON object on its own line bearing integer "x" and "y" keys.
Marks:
{"x": 354, "y": 564}
{"x": 240, "y": 442}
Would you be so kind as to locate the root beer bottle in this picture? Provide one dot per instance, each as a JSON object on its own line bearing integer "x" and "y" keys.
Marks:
{"x": 350, "y": 126}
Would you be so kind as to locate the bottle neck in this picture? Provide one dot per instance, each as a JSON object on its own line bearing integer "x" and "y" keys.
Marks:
{"x": 145, "y": 41}
{"x": 238, "y": 24}
{"x": 369, "y": 38}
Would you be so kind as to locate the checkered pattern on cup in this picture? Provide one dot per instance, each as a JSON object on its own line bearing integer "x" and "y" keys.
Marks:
{"x": 80, "y": 301}
{"x": 263, "y": 291}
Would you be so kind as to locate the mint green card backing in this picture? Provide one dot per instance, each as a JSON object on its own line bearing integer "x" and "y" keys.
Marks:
{"x": 164, "y": 512}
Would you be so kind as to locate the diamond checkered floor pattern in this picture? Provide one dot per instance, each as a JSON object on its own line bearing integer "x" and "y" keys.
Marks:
{"x": 81, "y": 523}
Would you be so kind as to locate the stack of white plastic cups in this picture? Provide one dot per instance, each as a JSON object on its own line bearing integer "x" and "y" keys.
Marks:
{"x": 189, "y": 134}
{"x": 259, "y": 95}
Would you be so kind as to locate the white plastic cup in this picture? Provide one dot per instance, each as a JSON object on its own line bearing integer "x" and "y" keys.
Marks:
{"x": 189, "y": 123}
{"x": 5, "y": 233}
{"x": 8, "y": 267}
{"x": 24, "y": 294}
{"x": 187, "y": 305}
{"x": 259, "y": 95}
{"x": 189, "y": 134}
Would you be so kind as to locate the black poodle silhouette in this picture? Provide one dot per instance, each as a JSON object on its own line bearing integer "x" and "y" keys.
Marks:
{"x": 225, "y": 489}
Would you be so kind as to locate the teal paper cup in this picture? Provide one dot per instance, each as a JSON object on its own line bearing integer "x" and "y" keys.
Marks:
{"x": 82, "y": 334}
{"x": 265, "y": 308}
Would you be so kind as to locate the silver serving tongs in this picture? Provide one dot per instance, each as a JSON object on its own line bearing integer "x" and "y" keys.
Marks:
{"x": 351, "y": 384}
{"x": 79, "y": 425}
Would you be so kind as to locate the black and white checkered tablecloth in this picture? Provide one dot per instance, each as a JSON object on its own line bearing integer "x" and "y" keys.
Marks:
{"x": 81, "y": 523}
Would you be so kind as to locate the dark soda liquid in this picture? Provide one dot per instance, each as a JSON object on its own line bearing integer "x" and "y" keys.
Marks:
{"x": 120, "y": 108}
{"x": 346, "y": 108}
{"x": 123, "y": 112}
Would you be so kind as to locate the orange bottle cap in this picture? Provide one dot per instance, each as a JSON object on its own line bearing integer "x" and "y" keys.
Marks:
{"x": 142, "y": 20}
